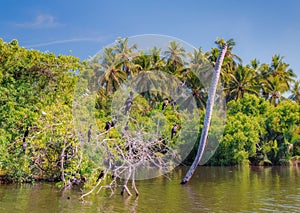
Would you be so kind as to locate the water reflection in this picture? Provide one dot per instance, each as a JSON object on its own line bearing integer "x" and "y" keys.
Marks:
{"x": 212, "y": 189}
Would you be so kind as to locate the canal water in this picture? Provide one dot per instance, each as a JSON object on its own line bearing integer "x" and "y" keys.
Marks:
{"x": 212, "y": 189}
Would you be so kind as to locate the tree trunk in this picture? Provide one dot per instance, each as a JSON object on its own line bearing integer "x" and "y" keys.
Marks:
{"x": 124, "y": 187}
{"x": 133, "y": 183}
{"x": 62, "y": 157}
{"x": 208, "y": 113}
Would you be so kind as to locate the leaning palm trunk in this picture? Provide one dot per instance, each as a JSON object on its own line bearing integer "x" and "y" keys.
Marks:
{"x": 207, "y": 118}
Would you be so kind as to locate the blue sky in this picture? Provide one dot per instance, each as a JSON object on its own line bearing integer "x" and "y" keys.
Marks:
{"x": 261, "y": 28}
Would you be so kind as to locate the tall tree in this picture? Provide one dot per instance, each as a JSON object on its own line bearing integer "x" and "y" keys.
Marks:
{"x": 295, "y": 96}
{"x": 157, "y": 61}
{"x": 126, "y": 53}
{"x": 175, "y": 56}
{"x": 273, "y": 88}
{"x": 143, "y": 61}
{"x": 114, "y": 74}
{"x": 197, "y": 76}
{"x": 230, "y": 56}
{"x": 230, "y": 62}
{"x": 276, "y": 76}
{"x": 208, "y": 114}
{"x": 243, "y": 80}
{"x": 281, "y": 69}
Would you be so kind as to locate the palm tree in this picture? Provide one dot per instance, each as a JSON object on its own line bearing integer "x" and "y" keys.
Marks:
{"x": 175, "y": 56}
{"x": 234, "y": 59}
{"x": 122, "y": 50}
{"x": 126, "y": 54}
{"x": 198, "y": 62}
{"x": 114, "y": 74}
{"x": 199, "y": 92}
{"x": 196, "y": 67}
{"x": 157, "y": 62}
{"x": 207, "y": 118}
{"x": 242, "y": 81}
{"x": 254, "y": 64}
{"x": 275, "y": 79}
{"x": 94, "y": 69}
{"x": 295, "y": 96}
{"x": 150, "y": 60}
{"x": 273, "y": 88}
{"x": 282, "y": 70}
{"x": 147, "y": 83}
{"x": 198, "y": 76}
{"x": 230, "y": 60}
{"x": 143, "y": 61}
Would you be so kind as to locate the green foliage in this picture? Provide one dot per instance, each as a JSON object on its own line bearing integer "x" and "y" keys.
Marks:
{"x": 238, "y": 144}
{"x": 282, "y": 125}
{"x": 260, "y": 133}
{"x": 36, "y": 93}
{"x": 249, "y": 105}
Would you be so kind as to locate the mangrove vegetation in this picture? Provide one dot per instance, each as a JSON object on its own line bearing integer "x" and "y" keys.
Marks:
{"x": 39, "y": 141}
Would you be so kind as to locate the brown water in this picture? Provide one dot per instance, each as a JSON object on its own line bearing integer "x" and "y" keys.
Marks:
{"x": 212, "y": 189}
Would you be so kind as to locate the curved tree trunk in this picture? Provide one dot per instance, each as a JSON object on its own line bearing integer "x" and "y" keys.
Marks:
{"x": 208, "y": 113}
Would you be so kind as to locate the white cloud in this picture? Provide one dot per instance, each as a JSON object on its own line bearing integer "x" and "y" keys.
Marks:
{"x": 41, "y": 21}
{"x": 72, "y": 40}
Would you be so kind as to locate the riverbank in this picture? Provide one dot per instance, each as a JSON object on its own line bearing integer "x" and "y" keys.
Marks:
{"x": 80, "y": 182}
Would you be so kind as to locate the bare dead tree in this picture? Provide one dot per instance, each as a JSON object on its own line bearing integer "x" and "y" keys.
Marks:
{"x": 126, "y": 158}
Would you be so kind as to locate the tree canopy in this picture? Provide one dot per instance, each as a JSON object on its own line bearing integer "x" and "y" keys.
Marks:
{"x": 37, "y": 136}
